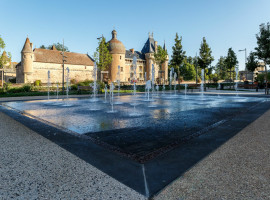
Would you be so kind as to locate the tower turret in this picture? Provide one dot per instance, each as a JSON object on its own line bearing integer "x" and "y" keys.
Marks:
{"x": 27, "y": 58}
{"x": 118, "y": 51}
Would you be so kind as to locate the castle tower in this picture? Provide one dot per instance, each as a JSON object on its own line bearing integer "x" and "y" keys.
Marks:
{"x": 27, "y": 59}
{"x": 118, "y": 51}
{"x": 149, "y": 50}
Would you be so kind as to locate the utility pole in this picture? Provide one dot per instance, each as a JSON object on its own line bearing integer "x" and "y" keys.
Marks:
{"x": 63, "y": 73}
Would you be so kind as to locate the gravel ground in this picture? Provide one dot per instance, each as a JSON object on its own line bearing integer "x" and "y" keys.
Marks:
{"x": 239, "y": 169}
{"x": 32, "y": 167}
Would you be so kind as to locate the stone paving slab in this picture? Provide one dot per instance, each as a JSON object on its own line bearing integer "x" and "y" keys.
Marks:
{"x": 32, "y": 167}
{"x": 239, "y": 169}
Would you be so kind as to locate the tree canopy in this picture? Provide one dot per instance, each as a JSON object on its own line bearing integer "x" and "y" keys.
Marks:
{"x": 205, "y": 58}
{"x": 187, "y": 70}
{"x": 178, "y": 54}
{"x": 221, "y": 69}
{"x": 231, "y": 59}
{"x": 160, "y": 56}
{"x": 57, "y": 45}
{"x": 263, "y": 42}
{"x": 102, "y": 56}
{"x": 5, "y": 58}
{"x": 252, "y": 63}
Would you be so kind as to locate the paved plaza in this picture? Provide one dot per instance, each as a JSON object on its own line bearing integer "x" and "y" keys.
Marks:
{"x": 230, "y": 161}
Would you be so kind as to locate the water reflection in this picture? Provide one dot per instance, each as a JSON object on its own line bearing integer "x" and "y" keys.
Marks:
{"x": 82, "y": 118}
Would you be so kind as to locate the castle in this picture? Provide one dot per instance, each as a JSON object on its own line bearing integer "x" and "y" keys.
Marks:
{"x": 35, "y": 63}
{"x": 145, "y": 58}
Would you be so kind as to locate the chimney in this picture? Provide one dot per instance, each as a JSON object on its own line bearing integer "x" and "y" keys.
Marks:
{"x": 132, "y": 50}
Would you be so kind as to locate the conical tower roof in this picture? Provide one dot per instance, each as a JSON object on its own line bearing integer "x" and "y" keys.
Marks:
{"x": 116, "y": 46}
{"x": 164, "y": 46}
{"x": 27, "y": 46}
{"x": 149, "y": 46}
{"x": 54, "y": 48}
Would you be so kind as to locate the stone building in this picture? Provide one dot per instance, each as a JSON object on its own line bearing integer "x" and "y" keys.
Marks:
{"x": 8, "y": 70}
{"x": 35, "y": 64}
{"x": 145, "y": 58}
{"x": 250, "y": 76}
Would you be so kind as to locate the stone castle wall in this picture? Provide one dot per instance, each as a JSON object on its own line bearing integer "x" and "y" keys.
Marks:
{"x": 40, "y": 72}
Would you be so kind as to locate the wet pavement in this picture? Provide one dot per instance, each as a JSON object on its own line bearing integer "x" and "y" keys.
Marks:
{"x": 138, "y": 127}
{"x": 175, "y": 134}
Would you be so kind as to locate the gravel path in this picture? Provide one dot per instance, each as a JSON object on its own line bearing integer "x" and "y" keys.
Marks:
{"x": 239, "y": 169}
{"x": 32, "y": 167}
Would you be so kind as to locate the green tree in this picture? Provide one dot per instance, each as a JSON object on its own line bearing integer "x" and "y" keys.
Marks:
{"x": 160, "y": 56}
{"x": 4, "y": 57}
{"x": 252, "y": 63}
{"x": 231, "y": 62}
{"x": 2, "y": 44}
{"x": 221, "y": 69}
{"x": 43, "y": 47}
{"x": 205, "y": 58}
{"x": 57, "y": 45}
{"x": 187, "y": 70}
{"x": 263, "y": 49}
{"x": 178, "y": 54}
{"x": 102, "y": 56}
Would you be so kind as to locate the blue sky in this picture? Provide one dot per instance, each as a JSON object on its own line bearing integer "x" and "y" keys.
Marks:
{"x": 224, "y": 23}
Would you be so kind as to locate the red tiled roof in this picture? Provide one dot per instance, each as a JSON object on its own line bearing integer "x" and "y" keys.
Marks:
{"x": 55, "y": 56}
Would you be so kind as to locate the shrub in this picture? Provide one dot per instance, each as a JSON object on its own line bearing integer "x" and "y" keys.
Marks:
{"x": 7, "y": 86}
{"x": 101, "y": 85}
{"x": 215, "y": 79}
{"x": 37, "y": 83}
{"x": 12, "y": 80}
{"x": 27, "y": 88}
{"x": 16, "y": 90}
{"x": 73, "y": 81}
{"x": 199, "y": 80}
{"x": 74, "y": 87}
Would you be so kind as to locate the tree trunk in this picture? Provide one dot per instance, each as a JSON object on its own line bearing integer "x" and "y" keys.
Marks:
{"x": 266, "y": 81}
{"x": 230, "y": 79}
{"x": 204, "y": 81}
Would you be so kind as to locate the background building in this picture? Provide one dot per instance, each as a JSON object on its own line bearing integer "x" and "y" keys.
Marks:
{"x": 35, "y": 64}
{"x": 145, "y": 58}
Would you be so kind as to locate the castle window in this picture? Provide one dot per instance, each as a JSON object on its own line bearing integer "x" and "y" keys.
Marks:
{"x": 84, "y": 67}
{"x": 120, "y": 57}
{"x": 122, "y": 69}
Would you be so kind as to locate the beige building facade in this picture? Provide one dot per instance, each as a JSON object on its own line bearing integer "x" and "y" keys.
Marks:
{"x": 122, "y": 62}
{"x": 35, "y": 64}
